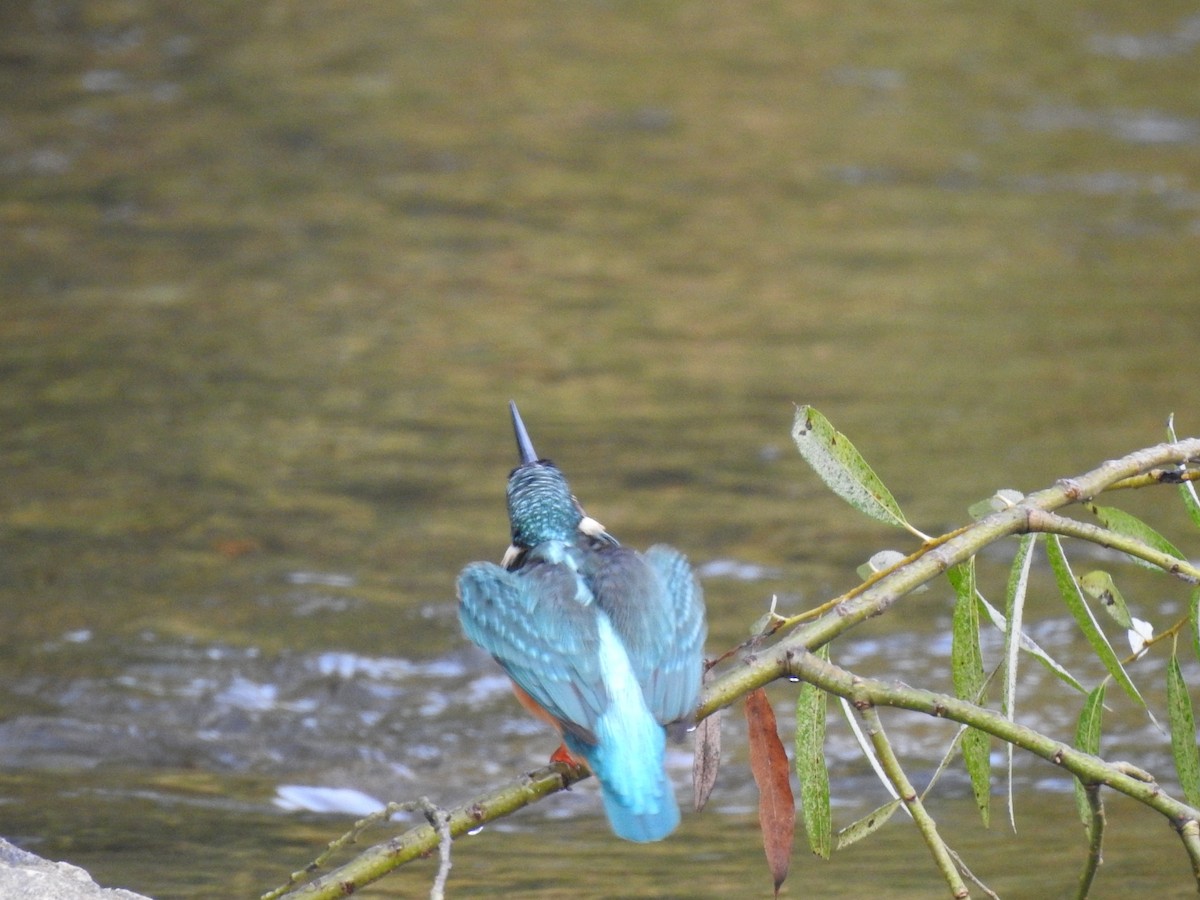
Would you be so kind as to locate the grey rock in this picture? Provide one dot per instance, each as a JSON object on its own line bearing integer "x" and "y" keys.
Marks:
{"x": 26, "y": 876}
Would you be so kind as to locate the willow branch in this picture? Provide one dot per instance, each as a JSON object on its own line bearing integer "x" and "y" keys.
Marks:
{"x": 1190, "y": 834}
{"x": 789, "y": 655}
{"x": 375, "y": 862}
{"x": 912, "y": 800}
{"x": 1052, "y": 523}
{"x": 1156, "y": 476}
{"x": 858, "y": 605}
{"x": 1088, "y": 769}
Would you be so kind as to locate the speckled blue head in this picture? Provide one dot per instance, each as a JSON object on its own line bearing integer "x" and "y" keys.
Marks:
{"x": 540, "y": 505}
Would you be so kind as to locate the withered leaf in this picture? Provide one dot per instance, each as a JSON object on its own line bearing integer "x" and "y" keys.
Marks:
{"x": 707, "y": 760}
{"x": 772, "y": 774}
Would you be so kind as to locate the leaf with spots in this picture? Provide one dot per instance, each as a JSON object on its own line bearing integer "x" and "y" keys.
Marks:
{"x": 867, "y": 825}
{"x": 844, "y": 471}
{"x": 1068, "y": 589}
{"x": 1099, "y": 585}
{"x": 811, "y": 767}
{"x": 1183, "y": 732}
{"x": 966, "y": 665}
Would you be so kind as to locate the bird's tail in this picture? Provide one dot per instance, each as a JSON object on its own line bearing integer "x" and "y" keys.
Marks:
{"x": 628, "y": 762}
{"x": 628, "y": 755}
{"x": 651, "y": 821}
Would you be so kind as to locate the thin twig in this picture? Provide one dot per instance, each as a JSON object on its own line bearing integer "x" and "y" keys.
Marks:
{"x": 350, "y": 837}
{"x": 440, "y": 820}
{"x": 1040, "y": 520}
{"x": 375, "y": 862}
{"x": 1121, "y": 777}
{"x": 912, "y": 800}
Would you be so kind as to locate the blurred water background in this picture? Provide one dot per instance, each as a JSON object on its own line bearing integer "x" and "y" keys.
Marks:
{"x": 270, "y": 272}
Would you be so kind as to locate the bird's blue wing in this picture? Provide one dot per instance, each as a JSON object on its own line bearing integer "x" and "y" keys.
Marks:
{"x": 673, "y": 687}
{"x": 543, "y": 637}
{"x": 571, "y": 658}
{"x": 657, "y": 608}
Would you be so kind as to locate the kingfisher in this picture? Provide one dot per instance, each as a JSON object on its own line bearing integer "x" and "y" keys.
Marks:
{"x": 601, "y": 641}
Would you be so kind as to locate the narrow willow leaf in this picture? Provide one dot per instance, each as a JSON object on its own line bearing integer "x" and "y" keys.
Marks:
{"x": 842, "y": 468}
{"x": 868, "y": 824}
{"x": 1183, "y": 732}
{"x": 1191, "y": 502}
{"x": 811, "y": 767}
{"x": 1187, "y": 489}
{"x": 1072, "y": 597}
{"x": 1100, "y": 586}
{"x": 868, "y": 751}
{"x": 952, "y": 749}
{"x": 1194, "y": 623}
{"x": 1131, "y": 526}
{"x": 1030, "y": 646}
{"x": 772, "y": 774}
{"x": 1087, "y": 739}
{"x": 966, "y": 666}
{"x": 1014, "y": 611}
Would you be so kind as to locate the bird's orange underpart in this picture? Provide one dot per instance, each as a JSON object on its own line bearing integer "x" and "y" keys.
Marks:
{"x": 535, "y": 709}
{"x": 562, "y": 754}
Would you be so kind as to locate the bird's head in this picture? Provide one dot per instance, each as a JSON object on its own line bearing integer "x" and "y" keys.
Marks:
{"x": 540, "y": 505}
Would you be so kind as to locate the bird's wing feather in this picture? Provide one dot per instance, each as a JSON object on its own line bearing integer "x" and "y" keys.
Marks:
{"x": 657, "y": 608}
{"x": 542, "y": 636}
{"x": 674, "y": 690}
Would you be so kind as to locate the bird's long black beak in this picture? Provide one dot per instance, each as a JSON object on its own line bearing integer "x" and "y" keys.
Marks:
{"x": 524, "y": 444}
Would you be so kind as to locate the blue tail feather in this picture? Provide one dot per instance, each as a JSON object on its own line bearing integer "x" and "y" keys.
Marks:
{"x": 629, "y": 752}
{"x": 650, "y": 825}
{"x": 638, "y": 796}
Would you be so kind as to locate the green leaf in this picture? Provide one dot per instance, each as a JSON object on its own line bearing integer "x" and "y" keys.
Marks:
{"x": 1030, "y": 646}
{"x": 1014, "y": 611}
{"x": 966, "y": 666}
{"x": 1131, "y": 526}
{"x": 1087, "y": 739}
{"x": 1191, "y": 502}
{"x": 1187, "y": 489}
{"x": 842, "y": 468}
{"x": 1100, "y": 586}
{"x": 1183, "y": 732}
{"x": 868, "y": 824}
{"x": 1075, "y": 602}
{"x": 811, "y": 767}
{"x": 1194, "y": 619}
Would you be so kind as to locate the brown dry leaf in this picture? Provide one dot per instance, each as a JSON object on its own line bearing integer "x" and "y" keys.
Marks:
{"x": 772, "y": 774}
{"x": 707, "y": 760}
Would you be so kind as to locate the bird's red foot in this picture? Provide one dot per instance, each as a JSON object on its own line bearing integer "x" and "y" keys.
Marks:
{"x": 564, "y": 756}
